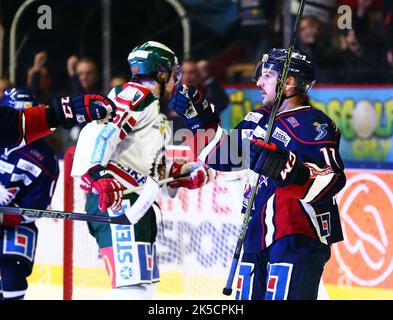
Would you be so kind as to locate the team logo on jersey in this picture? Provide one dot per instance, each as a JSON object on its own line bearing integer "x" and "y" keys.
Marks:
{"x": 293, "y": 122}
{"x": 282, "y": 136}
{"x": 321, "y": 129}
{"x": 7, "y": 194}
{"x": 253, "y": 117}
{"x": 247, "y": 133}
{"x": 259, "y": 132}
{"x": 29, "y": 167}
{"x": 131, "y": 94}
{"x": 19, "y": 241}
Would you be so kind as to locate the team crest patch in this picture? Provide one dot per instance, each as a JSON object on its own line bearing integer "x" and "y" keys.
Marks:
{"x": 259, "y": 132}
{"x": 247, "y": 133}
{"x": 253, "y": 117}
{"x": 29, "y": 167}
{"x": 6, "y": 167}
{"x": 282, "y": 136}
{"x": 131, "y": 94}
{"x": 321, "y": 129}
{"x": 293, "y": 122}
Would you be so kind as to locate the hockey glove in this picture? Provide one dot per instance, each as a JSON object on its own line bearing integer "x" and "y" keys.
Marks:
{"x": 80, "y": 109}
{"x": 281, "y": 165}
{"x": 110, "y": 191}
{"x": 200, "y": 174}
{"x": 189, "y": 103}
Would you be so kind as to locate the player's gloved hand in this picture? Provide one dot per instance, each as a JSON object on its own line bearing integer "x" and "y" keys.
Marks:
{"x": 189, "y": 103}
{"x": 80, "y": 109}
{"x": 199, "y": 175}
{"x": 281, "y": 165}
{"x": 110, "y": 191}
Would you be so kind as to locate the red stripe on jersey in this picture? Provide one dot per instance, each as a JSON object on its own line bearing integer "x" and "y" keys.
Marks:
{"x": 39, "y": 164}
{"x": 87, "y": 105}
{"x": 122, "y": 174}
{"x": 120, "y": 124}
{"x": 132, "y": 122}
{"x": 36, "y": 125}
{"x": 122, "y": 134}
{"x": 302, "y": 141}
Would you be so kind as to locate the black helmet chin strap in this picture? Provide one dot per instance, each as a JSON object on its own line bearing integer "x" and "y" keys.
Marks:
{"x": 297, "y": 92}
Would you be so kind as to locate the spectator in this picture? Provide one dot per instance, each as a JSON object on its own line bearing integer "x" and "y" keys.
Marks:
{"x": 39, "y": 79}
{"x": 190, "y": 74}
{"x": 118, "y": 80}
{"x": 316, "y": 43}
{"x": 83, "y": 75}
{"x": 211, "y": 88}
{"x": 84, "y": 78}
{"x": 4, "y": 84}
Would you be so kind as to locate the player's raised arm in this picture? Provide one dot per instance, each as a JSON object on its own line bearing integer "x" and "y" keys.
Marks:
{"x": 210, "y": 143}
{"x": 22, "y": 127}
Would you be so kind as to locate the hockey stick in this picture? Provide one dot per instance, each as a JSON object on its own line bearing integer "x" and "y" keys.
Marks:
{"x": 54, "y": 214}
{"x": 160, "y": 182}
{"x": 277, "y": 102}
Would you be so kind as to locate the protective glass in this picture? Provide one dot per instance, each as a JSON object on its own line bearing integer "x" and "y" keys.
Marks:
{"x": 262, "y": 69}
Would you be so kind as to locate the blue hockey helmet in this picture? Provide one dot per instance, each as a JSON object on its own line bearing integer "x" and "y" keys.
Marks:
{"x": 18, "y": 98}
{"x": 301, "y": 67}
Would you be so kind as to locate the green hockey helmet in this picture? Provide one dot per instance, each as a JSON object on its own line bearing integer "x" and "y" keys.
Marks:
{"x": 152, "y": 57}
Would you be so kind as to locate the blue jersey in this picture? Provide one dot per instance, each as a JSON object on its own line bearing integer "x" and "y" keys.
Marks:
{"x": 28, "y": 175}
{"x": 309, "y": 209}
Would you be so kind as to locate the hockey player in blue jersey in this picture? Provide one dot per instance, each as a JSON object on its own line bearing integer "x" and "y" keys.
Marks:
{"x": 295, "y": 218}
{"x": 28, "y": 178}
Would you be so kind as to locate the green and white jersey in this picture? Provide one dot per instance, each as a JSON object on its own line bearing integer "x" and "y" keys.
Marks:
{"x": 135, "y": 140}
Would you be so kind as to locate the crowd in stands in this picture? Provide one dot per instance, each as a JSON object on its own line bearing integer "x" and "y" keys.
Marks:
{"x": 359, "y": 52}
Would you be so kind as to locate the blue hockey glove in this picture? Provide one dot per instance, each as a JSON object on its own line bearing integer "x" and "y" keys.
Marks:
{"x": 80, "y": 109}
{"x": 189, "y": 103}
{"x": 281, "y": 165}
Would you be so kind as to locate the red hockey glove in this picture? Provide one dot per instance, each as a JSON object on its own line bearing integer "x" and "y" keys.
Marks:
{"x": 80, "y": 109}
{"x": 281, "y": 165}
{"x": 110, "y": 191}
{"x": 200, "y": 174}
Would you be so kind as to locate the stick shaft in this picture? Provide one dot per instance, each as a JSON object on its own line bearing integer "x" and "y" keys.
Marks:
{"x": 54, "y": 214}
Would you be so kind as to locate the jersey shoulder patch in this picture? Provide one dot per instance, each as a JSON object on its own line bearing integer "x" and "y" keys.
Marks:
{"x": 310, "y": 125}
{"x": 134, "y": 95}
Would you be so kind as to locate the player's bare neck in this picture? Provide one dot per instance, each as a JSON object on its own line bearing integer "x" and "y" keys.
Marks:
{"x": 291, "y": 103}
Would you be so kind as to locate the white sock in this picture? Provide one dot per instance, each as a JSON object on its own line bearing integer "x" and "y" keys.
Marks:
{"x": 136, "y": 292}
